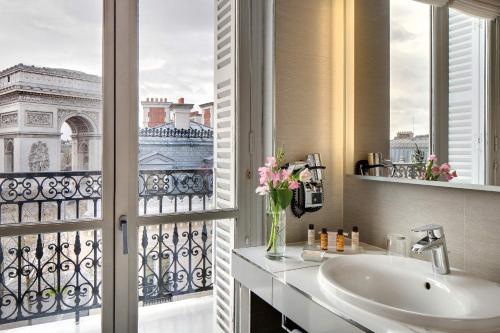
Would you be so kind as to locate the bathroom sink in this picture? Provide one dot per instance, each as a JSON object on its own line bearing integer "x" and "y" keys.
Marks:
{"x": 407, "y": 290}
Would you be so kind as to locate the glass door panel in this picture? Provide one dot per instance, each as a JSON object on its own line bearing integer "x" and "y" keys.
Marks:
{"x": 186, "y": 157}
{"x": 51, "y": 183}
{"x": 175, "y": 161}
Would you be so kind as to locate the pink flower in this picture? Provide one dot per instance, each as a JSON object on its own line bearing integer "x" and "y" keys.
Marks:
{"x": 285, "y": 174}
{"x": 445, "y": 167}
{"x": 305, "y": 176}
{"x": 265, "y": 175}
{"x": 271, "y": 162}
{"x": 276, "y": 177}
{"x": 436, "y": 171}
{"x": 432, "y": 158}
{"x": 262, "y": 190}
{"x": 454, "y": 174}
{"x": 293, "y": 185}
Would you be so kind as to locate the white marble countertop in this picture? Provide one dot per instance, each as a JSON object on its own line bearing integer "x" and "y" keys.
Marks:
{"x": 302, "y": 276}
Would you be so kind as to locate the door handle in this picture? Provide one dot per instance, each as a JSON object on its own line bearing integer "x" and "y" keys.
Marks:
{"x": 123, "y": 228}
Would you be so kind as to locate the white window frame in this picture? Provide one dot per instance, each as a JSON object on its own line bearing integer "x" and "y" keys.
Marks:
{"x": 248, "y": 125}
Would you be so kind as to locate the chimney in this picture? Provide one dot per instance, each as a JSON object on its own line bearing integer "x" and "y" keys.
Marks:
{"x": 207, "y": 115}
{"x": 181, "y": 112}
{"x": 181, "y": 118}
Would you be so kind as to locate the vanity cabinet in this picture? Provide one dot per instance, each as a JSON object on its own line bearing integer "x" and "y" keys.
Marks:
{"x": 271, "y": 287}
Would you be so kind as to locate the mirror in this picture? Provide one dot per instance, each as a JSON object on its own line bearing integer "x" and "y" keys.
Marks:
{"x": 443, "y": 114}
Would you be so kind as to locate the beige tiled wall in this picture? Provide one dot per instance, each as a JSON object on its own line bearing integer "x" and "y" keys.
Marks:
{"x": 471, "y": 219}
{"x": 303, "y": 98}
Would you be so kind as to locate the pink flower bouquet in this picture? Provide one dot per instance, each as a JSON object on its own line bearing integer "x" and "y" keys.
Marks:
{"x": 279, "y": 184}
{"x": 435, "y": 172}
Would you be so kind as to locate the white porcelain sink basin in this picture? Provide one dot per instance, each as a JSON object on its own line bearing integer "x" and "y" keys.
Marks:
{"x": 407, "y": 290}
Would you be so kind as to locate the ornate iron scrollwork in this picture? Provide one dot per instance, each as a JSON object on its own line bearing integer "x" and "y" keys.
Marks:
{"x": 45, "y": 275}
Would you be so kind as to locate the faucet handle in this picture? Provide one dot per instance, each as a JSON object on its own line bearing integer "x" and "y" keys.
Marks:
{"x": 433, "y": 230}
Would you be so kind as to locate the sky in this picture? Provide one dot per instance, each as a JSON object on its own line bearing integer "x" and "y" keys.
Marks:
{"x": 176, "y": 48}
{"x": 410, "y": 67}
{"x": 175, "y": 42}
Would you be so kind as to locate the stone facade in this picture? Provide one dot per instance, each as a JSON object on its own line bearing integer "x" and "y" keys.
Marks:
{"x": 34, "y": 104}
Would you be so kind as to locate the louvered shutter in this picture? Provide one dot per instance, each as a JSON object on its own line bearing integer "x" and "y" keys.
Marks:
{"x": 466, "y": 97}
{"x": 224, "y": 164}
{"x": 225, "y": 89}
{"x": 224, "y": 283}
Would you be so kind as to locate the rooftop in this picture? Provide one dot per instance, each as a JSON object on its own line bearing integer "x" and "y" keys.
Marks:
{"x": 50, "y": 81}
{"x": 196, "y": 130}
{"x": 61, "y": 72}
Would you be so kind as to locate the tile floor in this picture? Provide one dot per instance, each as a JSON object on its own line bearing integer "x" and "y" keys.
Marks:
{"x": 186, "y": 316}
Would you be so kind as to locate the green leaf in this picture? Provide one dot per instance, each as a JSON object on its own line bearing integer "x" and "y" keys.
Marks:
{"x": 285, "y": 198}
{"x": 281, "y": 198}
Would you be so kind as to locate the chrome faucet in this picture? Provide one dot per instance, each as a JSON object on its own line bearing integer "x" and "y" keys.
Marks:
{"x": 436, "y": 243}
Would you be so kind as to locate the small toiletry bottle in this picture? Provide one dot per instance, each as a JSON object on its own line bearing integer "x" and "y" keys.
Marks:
{"x": 354, "y": 237}
{"x": 310, "y": 235}
{"x": 323, "y": 239}
{"x": 340, "y": 240}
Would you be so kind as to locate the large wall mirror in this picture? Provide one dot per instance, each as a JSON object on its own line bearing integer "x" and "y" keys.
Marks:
{"x": 444, "y": 94}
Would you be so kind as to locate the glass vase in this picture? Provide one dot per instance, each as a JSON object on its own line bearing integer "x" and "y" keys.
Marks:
{"x": 276, "y": 228}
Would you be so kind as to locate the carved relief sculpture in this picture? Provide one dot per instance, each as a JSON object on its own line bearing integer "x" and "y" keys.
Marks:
{"x": 64, "y": 114}
{"x": 8, "y": 119}
{"x": 39, "y": 118}
{"x": 39, "y": 157}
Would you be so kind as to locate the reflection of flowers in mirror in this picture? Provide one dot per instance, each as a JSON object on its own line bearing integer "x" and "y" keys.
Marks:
{"x": 435, "y": 172}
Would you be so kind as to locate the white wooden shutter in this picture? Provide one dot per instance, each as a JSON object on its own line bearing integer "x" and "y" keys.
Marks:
{"x": 224, "y": 161}
{"x": 466, "y": 97}
{"x": 224, "y": 283}
{"x": 225, "y": 90}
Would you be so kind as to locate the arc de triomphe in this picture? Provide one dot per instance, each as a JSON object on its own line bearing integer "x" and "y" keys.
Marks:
{"x": 35, "y": 102}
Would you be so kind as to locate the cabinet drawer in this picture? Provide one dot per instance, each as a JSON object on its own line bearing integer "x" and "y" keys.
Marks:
{"x": 306, "y": 313}
{"x": 252, "y": 277}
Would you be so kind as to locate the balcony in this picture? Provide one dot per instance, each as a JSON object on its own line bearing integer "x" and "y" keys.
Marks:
{"x": 406, "y": 170}
{"x": 57, "y": 276}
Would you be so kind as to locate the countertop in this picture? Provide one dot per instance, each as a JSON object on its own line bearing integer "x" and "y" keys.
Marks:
{"x": 302, "y": 276}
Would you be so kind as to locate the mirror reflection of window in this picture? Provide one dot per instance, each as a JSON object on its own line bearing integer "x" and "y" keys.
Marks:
{"x": 410, "y": 58}
{"x": 467, "y": 135}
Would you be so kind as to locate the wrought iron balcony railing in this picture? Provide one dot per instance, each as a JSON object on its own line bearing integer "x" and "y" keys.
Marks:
{"x": 46, "y": 275}
{"x": 177, "y": 133}
{"x": 406, "y": 170}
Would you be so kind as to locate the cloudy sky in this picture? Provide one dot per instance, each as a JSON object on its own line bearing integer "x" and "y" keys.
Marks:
{"x": 176, "y": 42}
{"x": 176, "y": 48}
{"x": 410, "y": 67}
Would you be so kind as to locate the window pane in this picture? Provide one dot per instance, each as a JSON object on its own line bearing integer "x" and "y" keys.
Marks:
{"x": 467, "y": 96}
{"x": 50, "y": 110}
{"x": 410, "y": 49}
{"x": 50, "y": 167}
{"x": 186, "y": 111}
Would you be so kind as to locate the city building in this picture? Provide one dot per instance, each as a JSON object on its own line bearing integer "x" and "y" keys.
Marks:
{"x": 174, "y": 137}
{"x": 174, "y": 146}
{"x": 35, "y": 102}
{"x": 405, "y": 143}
